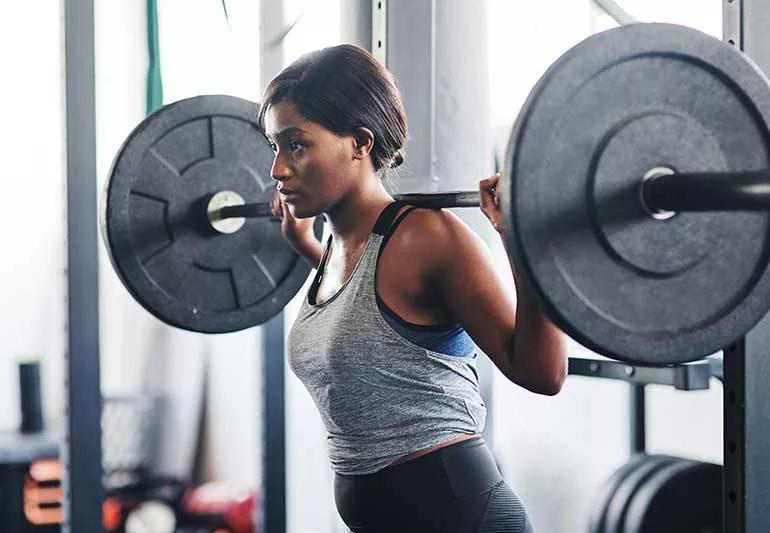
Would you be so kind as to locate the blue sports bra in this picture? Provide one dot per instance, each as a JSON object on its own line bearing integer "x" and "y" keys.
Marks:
{"x": 448, "y": 339}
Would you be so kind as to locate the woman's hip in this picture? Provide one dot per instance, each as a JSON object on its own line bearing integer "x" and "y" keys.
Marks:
{"x": 458, "y": 488}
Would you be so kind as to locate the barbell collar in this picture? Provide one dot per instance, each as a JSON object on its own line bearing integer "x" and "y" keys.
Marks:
{"x": 707, "y": 191}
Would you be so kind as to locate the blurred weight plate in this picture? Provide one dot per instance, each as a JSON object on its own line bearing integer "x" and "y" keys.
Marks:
{"x": 155, "y": 226}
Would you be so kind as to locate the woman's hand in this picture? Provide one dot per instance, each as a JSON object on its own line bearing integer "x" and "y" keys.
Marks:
{"x": 298, "y": 232}
{"x": 490, "y": 205}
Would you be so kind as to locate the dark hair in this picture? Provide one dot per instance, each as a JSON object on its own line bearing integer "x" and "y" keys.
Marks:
{"x": 343, "y": 88}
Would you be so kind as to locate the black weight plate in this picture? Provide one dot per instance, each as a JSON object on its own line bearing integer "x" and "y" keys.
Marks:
{"x": 612, "y": 108}
{"x": 682, "y": 497}
{"x": 155, "y": 226}
{"x": 596, "y": 522}
{"x": 627, "y": 487}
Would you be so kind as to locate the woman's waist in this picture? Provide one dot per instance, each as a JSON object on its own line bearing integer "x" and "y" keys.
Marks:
{"x": 373, "y": 451}
{"x": 425, "y": 451}
{"x": 465, "y": 465}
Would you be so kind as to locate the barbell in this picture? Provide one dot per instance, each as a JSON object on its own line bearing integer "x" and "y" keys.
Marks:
{"x": 662, "y": 194}
{"x": 636, "y": 196}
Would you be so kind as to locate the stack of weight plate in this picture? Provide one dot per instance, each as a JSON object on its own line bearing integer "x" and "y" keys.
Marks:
{"x": 660, "y": 494}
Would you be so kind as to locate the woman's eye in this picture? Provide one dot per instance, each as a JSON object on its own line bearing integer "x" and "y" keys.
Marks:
{"x": 294, "y": 146}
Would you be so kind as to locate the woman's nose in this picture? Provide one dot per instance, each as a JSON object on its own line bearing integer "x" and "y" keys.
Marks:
{"x": 279, "y": 171}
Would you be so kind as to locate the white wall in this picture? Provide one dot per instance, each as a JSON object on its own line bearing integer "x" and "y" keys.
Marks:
{"x": 556, "y": 452}
{"x": 32, "y": 282}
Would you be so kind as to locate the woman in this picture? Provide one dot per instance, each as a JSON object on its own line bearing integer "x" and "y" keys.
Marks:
{"x": 384, "y": 341}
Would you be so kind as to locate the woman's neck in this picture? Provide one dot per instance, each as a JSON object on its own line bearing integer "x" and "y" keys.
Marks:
{"x": 351, "y": 220}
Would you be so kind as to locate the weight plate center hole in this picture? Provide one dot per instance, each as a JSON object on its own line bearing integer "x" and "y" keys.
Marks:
{"x": 214, "y": 210}
{"x": 656, "y": 172}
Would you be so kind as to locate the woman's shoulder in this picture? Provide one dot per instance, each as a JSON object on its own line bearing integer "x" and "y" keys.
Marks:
{"x": 434, "y": 235}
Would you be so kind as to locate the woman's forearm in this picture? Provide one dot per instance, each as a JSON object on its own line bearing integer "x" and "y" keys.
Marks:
{"x": 538, "y": 357}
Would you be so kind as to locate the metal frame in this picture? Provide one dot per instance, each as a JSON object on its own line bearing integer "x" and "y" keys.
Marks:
{"x": 273, "y": 494}
{"x": 82, "y": 446}
{"x": 746, "y": 491}
{"x": 379, "y": 45}
{"x": 754, "y": 18}
{"x": 409, "y": 40}
{"x": 271, "y": 515}
{"x": 616, "y": 11}
{"x": 734, "y": 438}
{"x": 731, "y": 22}
{"x": 689, "y": 376}
{"x": 433, "y": 154}
{"x": 637, "y": 420}
{"x": 685, "y": 377}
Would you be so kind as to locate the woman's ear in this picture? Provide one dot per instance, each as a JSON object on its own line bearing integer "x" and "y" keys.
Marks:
{"x": 364, "y": 142}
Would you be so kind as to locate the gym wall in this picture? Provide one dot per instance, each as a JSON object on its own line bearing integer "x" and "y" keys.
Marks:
{"x": 32, "y": 279}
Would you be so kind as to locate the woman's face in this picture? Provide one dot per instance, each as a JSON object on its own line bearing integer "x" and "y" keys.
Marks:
{"x": 313, "y": 166}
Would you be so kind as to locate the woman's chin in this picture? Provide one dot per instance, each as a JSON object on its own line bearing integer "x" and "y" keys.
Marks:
{"x": 299, "y": 211}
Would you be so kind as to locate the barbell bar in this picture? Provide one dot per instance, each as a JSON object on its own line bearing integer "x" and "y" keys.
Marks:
{"x": 627, "y": 128}
{"x": 226, "y": 210}
{"x": 662, "y": 193}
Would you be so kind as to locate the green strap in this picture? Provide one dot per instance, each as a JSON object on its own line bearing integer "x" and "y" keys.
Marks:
{"x": 224, "y": 6}
{"x": 154, "y": 81}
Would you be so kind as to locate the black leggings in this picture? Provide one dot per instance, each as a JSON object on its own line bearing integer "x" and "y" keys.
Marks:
{"x": 457, "y": 489}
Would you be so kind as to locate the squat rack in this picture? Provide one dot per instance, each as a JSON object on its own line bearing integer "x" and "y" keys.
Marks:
{"x": 746, "y": 493}
{"x": 746, "y": 485}
{"x": 81, "y": 450}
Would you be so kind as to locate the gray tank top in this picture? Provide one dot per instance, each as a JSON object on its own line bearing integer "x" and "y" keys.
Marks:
{"x": 380, "y": 396}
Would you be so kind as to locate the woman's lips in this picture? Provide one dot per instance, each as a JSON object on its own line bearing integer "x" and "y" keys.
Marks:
{"x": 289, "y": 194}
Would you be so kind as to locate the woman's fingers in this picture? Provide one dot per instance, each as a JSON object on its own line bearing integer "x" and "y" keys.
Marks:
{"x": 286, "y": 213}
{"x": 276, "y": 204}
{"x": 487, "y": 188}
{"x": 490, "y": 205}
